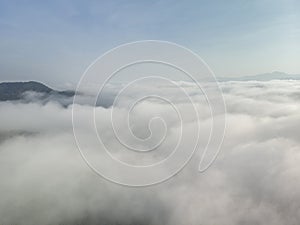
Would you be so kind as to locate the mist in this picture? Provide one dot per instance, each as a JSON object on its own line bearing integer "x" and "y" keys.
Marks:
{"x": 255, "y": 179}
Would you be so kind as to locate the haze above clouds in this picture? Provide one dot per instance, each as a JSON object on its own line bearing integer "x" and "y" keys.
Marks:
{"x": 55, "y": 41}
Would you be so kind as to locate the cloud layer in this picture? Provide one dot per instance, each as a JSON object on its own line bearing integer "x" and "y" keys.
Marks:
{"x": 255, "y": 179}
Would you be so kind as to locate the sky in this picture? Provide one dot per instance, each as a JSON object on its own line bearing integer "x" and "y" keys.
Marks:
{"x": 55, "y": 41}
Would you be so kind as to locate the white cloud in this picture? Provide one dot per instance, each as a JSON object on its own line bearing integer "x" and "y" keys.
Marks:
{"x": 255, "y": 179}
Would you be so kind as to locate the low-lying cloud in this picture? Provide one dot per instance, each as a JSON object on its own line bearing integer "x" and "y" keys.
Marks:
{"x": 255, "y": 180}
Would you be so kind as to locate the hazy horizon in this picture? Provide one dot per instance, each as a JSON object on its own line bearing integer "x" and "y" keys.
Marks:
{"x": 55, "y": 41}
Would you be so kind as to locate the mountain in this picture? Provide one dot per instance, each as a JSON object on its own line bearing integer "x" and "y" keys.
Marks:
{"x": 263, "y": 77}
{"x": 31, "y": 90}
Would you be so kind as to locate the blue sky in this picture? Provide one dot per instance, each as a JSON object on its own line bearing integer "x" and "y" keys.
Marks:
{"x": 54, "y": 41}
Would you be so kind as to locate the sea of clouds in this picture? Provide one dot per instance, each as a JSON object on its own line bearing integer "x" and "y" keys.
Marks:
{"x": 255, "y": 179}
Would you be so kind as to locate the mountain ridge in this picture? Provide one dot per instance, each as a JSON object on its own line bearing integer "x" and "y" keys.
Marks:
{"x": 13, "y": 91}
{"x": 276, "y": 75}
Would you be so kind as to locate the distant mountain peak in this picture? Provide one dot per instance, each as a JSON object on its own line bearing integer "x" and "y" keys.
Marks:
{"x": 275, "y": 75}
{"x": 278, "y": 72}
{"x": 13, "y": 91}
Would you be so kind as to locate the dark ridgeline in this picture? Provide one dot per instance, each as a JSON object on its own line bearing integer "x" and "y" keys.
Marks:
{"x": 13, "y": 91}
